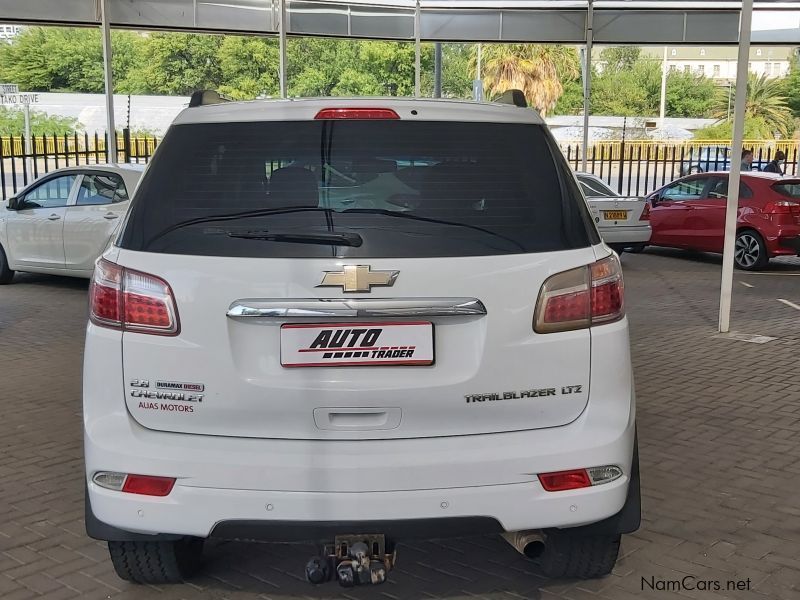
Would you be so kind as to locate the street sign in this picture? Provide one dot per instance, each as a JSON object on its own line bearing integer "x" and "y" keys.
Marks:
{"x": 10, "y": 95}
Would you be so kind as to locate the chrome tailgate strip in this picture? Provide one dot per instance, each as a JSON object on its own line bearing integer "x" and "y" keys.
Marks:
{"x": 355, "y": 307}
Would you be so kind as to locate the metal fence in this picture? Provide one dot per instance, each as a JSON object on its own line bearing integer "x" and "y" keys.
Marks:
{"x": 633, "y": 168}
{"x": 638, "y": 167}
{"x": 22, "y": 162}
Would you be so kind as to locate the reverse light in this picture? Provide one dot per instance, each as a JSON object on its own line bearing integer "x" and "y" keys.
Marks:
{"x": 580, "y": 298}
{"x": 356, "y": 113}
{"x": 129, "y": 300}
{"x": 579, "y": 478}
{"x": 144, "y": 485}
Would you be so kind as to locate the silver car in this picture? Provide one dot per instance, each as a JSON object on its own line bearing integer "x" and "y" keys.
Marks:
{"x": 623, "y": 222}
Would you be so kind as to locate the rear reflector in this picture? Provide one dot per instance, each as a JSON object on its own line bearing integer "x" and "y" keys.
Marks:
{"x": 357, "y": 113}
{"x": 579, "y": 478}
{"x": 148, "y": 485}
{"x": 565, "y": 480}
{"x": 129, "y": 300}
{"x": 580, "y": 298}
{"x": 144, "y": 485}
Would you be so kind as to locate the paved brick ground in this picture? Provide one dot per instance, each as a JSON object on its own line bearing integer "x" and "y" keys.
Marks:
{"x": 719, "y": 424}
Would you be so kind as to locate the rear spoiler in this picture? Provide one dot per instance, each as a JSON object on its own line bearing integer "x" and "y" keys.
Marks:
{"x": 515, "y": 97}
{"x": 205, "y": 97}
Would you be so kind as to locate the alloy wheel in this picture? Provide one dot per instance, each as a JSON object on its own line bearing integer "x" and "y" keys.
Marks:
{"x": 747, "y": 251}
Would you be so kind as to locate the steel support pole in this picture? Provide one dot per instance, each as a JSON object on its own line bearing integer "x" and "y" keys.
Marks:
{"x": 587, "y": 84}
{"x": 111, "y": 149}
{"x": 663, "y": 104}
{"x": 282, "y": 48}
{"x": 726, "y": 286}
{"x": 417, "y": 55}
{"x": 437, "y": 70}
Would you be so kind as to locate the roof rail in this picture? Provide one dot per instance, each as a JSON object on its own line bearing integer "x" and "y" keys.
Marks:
{"x": 515, "y": 97}
{"x": 204, "y": 97}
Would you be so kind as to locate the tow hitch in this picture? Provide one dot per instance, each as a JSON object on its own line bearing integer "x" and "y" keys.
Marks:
{"x": 352, "y": 560}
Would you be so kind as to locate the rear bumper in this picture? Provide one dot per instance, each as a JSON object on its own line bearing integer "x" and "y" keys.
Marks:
{"x": 635, "y": 234}
{"x": 486, "y": 478}
{"x": 788, "y": 246}
{"x": 195, "y": 509}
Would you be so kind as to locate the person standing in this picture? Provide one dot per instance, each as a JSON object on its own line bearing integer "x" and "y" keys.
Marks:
{"x": 776, "y": 164}
{"x": 747, "y": 160}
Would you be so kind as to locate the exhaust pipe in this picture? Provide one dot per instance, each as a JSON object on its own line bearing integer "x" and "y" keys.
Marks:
{"x": 527, "y": 543}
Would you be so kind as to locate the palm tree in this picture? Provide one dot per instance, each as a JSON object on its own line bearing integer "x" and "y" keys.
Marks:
{"x": 536, "y": 69}
{"x": 766, "y": 103}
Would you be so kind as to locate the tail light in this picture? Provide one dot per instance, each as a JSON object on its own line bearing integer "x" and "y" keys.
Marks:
{"x": 645, "y": 216}
{"x": 130, "y": 300}
{"x": 782, "y": 207}
{"x": 580, "y": 298}
{"x": 783, "y": 212}
{"x": 356, "y": 113}
{"x": 579, "y": 478}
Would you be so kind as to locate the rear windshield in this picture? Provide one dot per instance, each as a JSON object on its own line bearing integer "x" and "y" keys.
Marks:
{"x": 357, "y": 189}
{"x": 790, "y": 189}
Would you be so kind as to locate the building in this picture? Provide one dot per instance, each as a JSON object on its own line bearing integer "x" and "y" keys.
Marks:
{"x": 9, "y": 31}
{"x": 719, "y": 63}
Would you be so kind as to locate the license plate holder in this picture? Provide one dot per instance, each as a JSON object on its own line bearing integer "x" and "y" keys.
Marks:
{"x": 374, "y": 344}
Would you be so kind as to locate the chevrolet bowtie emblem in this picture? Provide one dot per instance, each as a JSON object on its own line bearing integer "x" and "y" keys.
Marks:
{"x": 358, "y": 278}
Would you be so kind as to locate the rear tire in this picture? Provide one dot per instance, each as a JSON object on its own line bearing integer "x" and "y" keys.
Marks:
{"x": 636, "y": 248}
{"x": 156, "y": 562}
{"x": 750, "y": 251}
{"x": 6, "y": 274}
{"x": 574, "y": 556}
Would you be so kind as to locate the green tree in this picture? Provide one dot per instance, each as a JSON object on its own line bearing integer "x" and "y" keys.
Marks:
{"x": 175, "y": 63}
{"x": 12, "y": 122}
{"x": 690, "y": 95}
{"x": 766, "y": 105}
{"x": 620, "y": 58}
{"x": 536, "y": 69}
{"x": 46, "y": 59}
{"x": 249, "y": 67}
{"x": 791, "y": 87}
{"x": 457, "y": 74}
{"x": 571, "y": 101}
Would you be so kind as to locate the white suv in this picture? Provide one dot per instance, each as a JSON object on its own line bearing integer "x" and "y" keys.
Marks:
{"x": 355, "y": 322}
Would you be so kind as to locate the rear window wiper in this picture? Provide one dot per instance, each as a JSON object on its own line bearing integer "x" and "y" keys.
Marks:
{"x": 330, "y": 239}
{"x": 405, "y": 215}
{"x": 234, "y": 216}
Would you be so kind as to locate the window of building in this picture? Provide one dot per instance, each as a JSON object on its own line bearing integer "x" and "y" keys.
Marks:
{"x": 674, "y": 52}
{"x": 701, "y": 69}
{"x": 702, "y": 52}
{"x": 687, "y": 68}
{"x": 716, "y": 71}
{"x": 758, "y": 52}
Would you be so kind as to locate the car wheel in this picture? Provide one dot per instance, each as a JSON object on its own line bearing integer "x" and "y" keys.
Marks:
{"x": 156, "y": 562}
{"x": 750, "y": 252}
{"x": 579, "y": 556}
{"x": 6, "y": 274}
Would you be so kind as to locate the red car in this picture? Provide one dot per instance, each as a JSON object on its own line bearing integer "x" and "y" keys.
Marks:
{"x": 690, "y": 213}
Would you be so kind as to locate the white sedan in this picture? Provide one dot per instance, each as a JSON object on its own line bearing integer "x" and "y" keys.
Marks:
{"x": 63, "y": 221}
{"x": 623, "y": 222}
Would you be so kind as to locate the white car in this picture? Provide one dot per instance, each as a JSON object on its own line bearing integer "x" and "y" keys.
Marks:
{"x": 623, "y": 222}
{"x": 63, "y": 221}
{"x": 355, "y": 321}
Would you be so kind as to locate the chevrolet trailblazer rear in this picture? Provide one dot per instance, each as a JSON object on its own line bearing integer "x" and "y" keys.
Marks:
{"x": 353, "y": 322}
